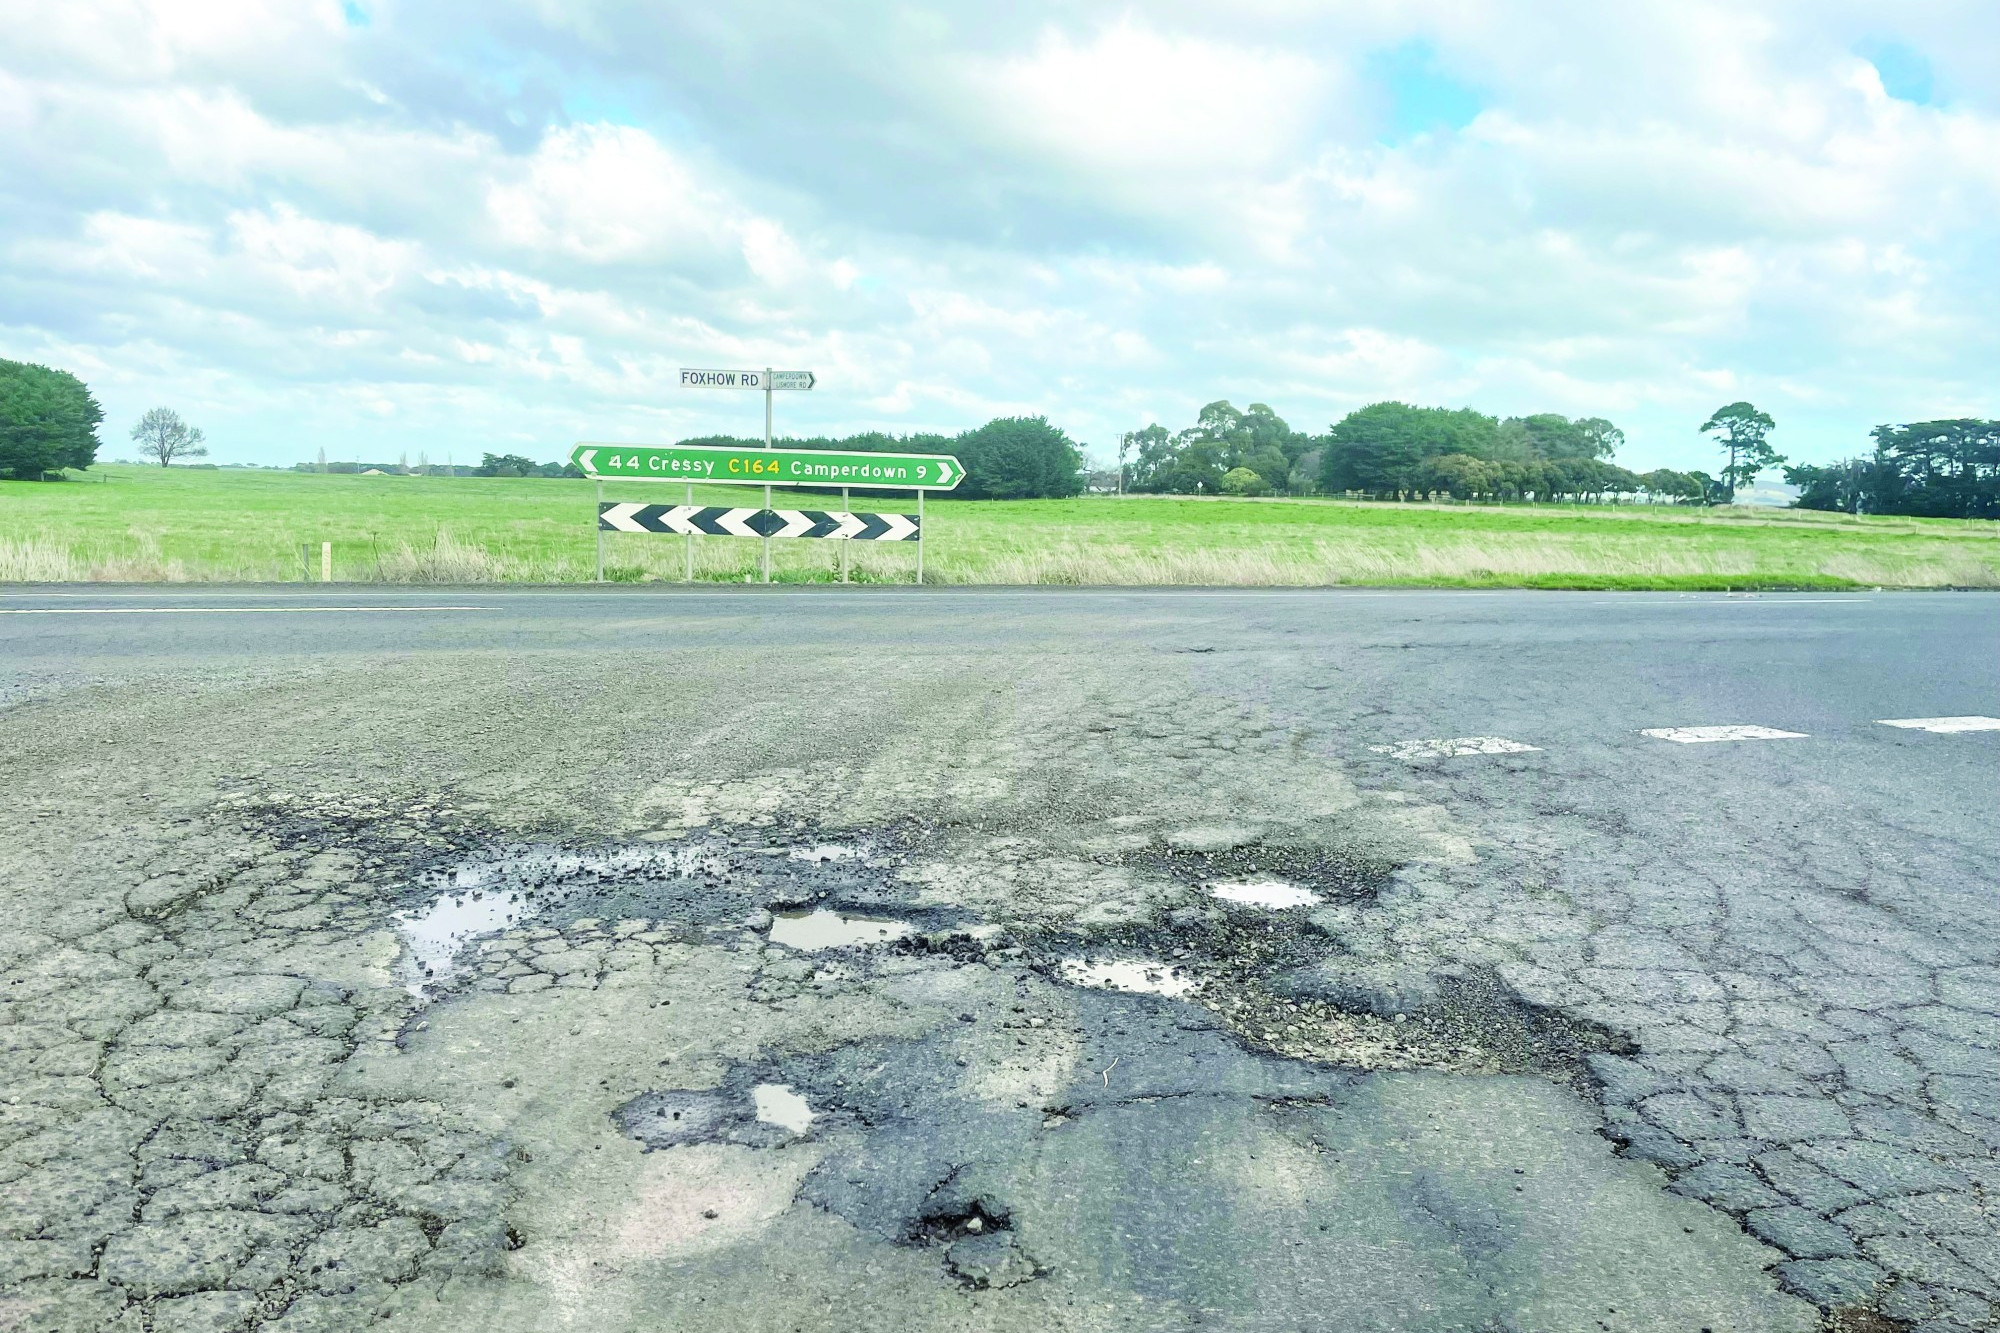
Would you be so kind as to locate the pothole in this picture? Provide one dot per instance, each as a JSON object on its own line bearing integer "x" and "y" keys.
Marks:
{"x": 1137, "y": 975}
{"x": 824, "y": 852}
{"x": 434, "y": 936}
{"x": 1329, "y": 877}
{"x": 826, "y": 928}
{"x": 778, "y": 1105}
{"x": 1276, "y": 894}
{"x": 757, "y": 1115}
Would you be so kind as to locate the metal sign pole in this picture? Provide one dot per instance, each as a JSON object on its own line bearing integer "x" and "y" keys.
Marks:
{"x": 767, "y": 449}
{"x": 846, "y": 507}
{"x": 920, "y": 536}
{"x": 598, "y": 524}
{"x": 689, "y": 576}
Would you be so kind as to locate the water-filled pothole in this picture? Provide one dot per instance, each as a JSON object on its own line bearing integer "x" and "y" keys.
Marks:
{"x": 825, "y": 928}
{"x": 778, "y": 1105}
{"x": 1276, "y": 894}
{"x": 433, "y": 936}
{"x": 1140, "y": 976}
{"x": 703, "y": 886}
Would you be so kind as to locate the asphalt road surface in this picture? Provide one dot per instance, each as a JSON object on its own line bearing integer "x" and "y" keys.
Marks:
{"x": 803, "y": 959}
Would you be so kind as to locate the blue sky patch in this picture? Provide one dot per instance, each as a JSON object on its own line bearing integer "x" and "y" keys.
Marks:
{"x": 1422, "y": 98}
{"x": 356, "y": 16}
{"x": 1906, "y": 74}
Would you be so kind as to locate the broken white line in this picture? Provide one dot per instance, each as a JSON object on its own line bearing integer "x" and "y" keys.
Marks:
{"x": 1453, "y": 748}
{"x": 1699, "y": 735}
{"x": 1945, "y": 725}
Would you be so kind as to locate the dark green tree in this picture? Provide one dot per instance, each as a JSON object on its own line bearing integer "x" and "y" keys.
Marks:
{"x": 1939, "y": 469}
{"x": 1375, "y": 448}
{"x": 1381, "y": 447}
{"x": 1018, "y": 458}
{"x": 1849, "y": 486}
{"x": 1550, "y": 435}
{"x": 1460, "y": 475}
{"x": 505, "y": 465}
{"x": 1742, "y": 430}
{"x": 48, "y": 421}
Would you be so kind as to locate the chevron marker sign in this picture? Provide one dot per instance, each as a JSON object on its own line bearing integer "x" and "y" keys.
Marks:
{"x": 695, "y": 521}
{"x": 768, "y": 467}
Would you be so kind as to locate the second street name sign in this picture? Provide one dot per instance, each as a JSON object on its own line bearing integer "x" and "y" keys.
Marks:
{"x": 710, "y": 463}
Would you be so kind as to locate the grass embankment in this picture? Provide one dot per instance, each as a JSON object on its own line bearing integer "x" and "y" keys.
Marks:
{"x": 196, "y": 524}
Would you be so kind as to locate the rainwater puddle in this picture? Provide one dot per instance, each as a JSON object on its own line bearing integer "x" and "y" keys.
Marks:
{"x": 434, "y": 935}
{"x": 1140, "y": 975}
{"x": 778, "y": 1105}
{"x": 829, "y": 852}
{"x": 824, "y": 928}
{"x": 1272, "y": 893}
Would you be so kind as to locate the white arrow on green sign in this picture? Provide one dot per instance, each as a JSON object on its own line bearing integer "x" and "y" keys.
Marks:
{"x": 710, "y": 463}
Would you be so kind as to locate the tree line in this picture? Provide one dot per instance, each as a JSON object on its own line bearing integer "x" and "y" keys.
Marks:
{"x": 1396, "y": 450}
{"x": 1931, "y": 469}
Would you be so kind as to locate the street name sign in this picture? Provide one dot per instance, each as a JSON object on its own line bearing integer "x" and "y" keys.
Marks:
{"x": 721, "y": 379}
{"x": 734, "y": 465}
{"x": 716, "y": 521}
{"x": 746, "y": 379}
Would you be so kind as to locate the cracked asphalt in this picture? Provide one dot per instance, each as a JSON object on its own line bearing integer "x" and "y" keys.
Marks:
{"x": 419, "y": 961}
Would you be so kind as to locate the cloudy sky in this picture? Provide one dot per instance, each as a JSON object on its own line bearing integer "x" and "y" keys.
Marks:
{"x": 386, "y": 227}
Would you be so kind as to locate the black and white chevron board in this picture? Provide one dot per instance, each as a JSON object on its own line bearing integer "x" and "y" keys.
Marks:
{"x": 695, "y": 521}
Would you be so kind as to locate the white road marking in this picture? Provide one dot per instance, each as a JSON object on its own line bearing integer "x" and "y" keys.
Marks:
{"x": 1456, "y": 746}
{"x": 1945, "y": 725}
{"x": 204, "y": 610}
{"x": 1698, "y": 735}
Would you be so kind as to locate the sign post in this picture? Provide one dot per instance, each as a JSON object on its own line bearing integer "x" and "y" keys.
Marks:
{"x": 768, "y": 466}
{"x": 769, "y": 381}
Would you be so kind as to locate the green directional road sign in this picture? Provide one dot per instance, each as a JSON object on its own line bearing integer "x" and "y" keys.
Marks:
{"x": 768, "y": 467}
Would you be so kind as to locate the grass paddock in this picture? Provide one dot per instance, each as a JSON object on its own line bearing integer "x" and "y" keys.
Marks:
{"x": 129, "y": 523}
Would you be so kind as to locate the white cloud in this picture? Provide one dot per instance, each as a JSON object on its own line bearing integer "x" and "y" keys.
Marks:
{"x": 1130, "y": 101}
{"x": 612, "y": 194}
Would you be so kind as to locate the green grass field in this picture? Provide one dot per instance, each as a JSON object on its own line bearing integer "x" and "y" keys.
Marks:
{"x": 135, "y": 523}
